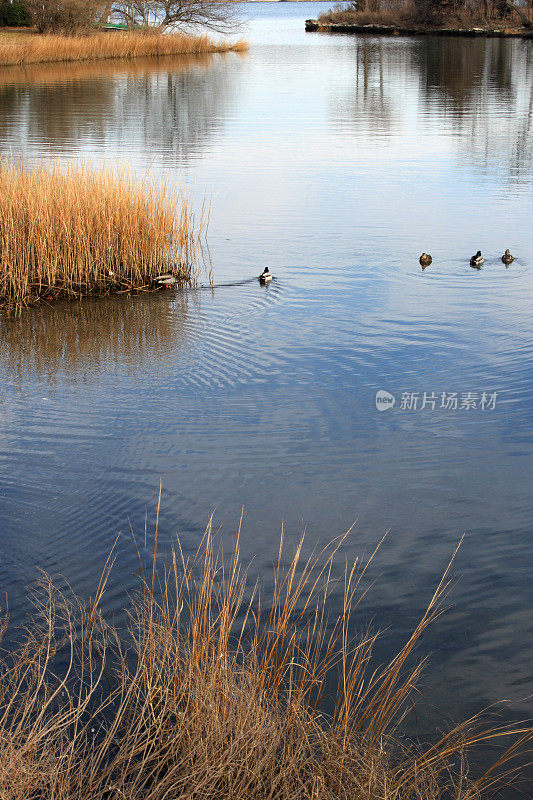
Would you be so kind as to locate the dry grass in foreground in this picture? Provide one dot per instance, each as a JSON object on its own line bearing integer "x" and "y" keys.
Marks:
{"x": 209, "y": 696}
{"x": 33, "y": 49}
{"x": 73, "y": 231}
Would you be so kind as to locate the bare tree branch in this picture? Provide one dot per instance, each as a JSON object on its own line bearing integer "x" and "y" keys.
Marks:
{"x": 215, "y": 15}
{"x": 523, "y": 16}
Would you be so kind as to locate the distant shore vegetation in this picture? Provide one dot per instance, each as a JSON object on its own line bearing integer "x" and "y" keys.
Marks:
{"x": 75, "y": 30}
{"x": 459, "y": 14}
{"x": 72, "y": 16}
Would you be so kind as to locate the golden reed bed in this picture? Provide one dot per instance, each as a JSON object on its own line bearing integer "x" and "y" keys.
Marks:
{"x": 34, "y": 49}
{"x": 74, "y": 231}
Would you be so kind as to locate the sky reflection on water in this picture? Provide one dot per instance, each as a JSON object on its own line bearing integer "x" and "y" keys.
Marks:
{"x": 336, "y": 161}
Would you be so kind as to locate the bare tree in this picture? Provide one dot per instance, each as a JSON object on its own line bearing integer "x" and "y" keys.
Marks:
{"x": 215, "y": 15}
{"x": 526, "y": 21}
{"x": 64, "y": 16}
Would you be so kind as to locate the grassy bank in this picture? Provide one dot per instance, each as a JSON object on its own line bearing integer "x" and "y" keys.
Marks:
{"x": 415, "y": 14}
{"x": 42, "y": 49}
{"x": 69, "y": 232}
{"x": 210, "y": 696}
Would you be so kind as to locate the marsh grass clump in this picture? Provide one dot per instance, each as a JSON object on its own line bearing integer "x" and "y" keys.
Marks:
{"x": 212, "y": 693}
{"x": 48, "y": 48}
{"x": 66, "y": 232}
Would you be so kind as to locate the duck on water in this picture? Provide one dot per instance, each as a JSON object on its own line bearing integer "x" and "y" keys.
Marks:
{"x": 477, "y": 260}
{"x": 265, "y": 276}
{"x": 166, "y": 280}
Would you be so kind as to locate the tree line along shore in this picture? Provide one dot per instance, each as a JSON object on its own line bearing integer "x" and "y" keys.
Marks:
{"x": 38, "y": 31}
{"x": 443, "y": 17}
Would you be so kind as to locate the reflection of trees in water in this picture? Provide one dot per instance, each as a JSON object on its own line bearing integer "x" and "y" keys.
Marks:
{"x": 480, "y": 88}
{"x": 462, "y": 70}
{"x": 175, "y": 112}
{"x": 172, "y": 104}
{"x": 370, "y": 107}
{"x": 85, "y": 339}
{"x": 503, "y": 142}
{"x": 484, "y": 89}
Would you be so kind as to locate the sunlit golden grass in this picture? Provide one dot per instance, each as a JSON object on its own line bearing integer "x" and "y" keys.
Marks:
{"x": 212, "y": 694}
{"x": 66, "y": 232}
{"x": 34, "y": 49}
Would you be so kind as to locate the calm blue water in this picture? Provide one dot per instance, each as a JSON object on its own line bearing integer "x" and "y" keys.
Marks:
{"x": 336, "y": 161}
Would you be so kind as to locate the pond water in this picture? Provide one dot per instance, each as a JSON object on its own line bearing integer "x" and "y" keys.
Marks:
{"x": 336, "y": 161}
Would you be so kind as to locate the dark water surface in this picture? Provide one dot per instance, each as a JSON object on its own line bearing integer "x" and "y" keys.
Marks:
{"x": 335, "y": 161}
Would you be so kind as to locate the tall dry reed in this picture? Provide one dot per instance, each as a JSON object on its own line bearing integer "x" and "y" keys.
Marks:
{"x": 211, "y": 696}
{"x": 71, "y": 231}
{"x": 38, "y": 49}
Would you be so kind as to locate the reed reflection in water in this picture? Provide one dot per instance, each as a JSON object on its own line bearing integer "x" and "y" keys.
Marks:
{"x": 78, "y": 341}
{"x": 173, "y": 104}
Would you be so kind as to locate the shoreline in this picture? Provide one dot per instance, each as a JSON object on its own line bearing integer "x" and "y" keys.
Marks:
{"x": 313, "y": 25}
{"x": 33, "y": 48}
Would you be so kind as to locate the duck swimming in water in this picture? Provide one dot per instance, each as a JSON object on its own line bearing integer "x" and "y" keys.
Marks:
{"x": 507, "y": 258}
{"x": 265, "y": 276}
{"x": 425, "y": 260}
{"x": 477, "y": 260}
{"x": 168, "y": 279}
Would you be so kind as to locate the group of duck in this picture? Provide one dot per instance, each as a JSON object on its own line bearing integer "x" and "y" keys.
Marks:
{"x": 476, "y": 260}
{"x": 167, "y": 280}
